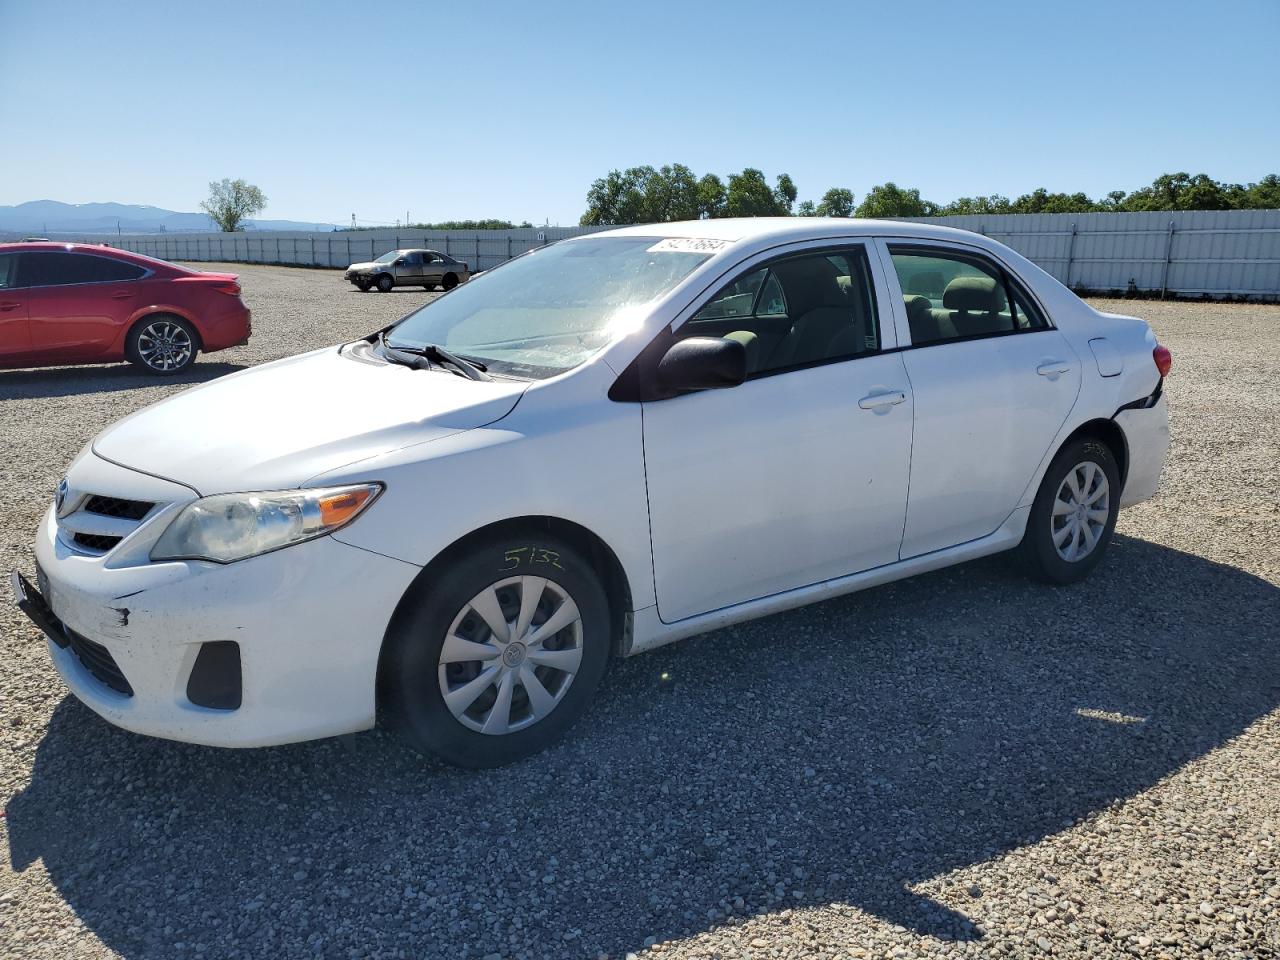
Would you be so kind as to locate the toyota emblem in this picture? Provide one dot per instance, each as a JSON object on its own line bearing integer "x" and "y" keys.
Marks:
{"x": 60, "y": 497}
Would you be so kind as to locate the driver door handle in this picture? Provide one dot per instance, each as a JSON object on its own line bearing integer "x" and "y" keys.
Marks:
{"x": 877, "y": 401}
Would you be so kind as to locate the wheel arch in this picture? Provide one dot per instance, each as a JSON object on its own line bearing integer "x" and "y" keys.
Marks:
{"x": 1109, "y": 433}
{"x": 616, "y": 583}
{"x": 150, "y": 313}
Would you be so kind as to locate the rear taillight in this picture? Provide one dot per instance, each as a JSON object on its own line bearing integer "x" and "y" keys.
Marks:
{"x": 230, "y": 289}
{"x": 1163, "y": 359}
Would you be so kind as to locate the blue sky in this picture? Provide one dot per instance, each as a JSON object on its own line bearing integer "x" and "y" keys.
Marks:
{"x": 456, "y": 110}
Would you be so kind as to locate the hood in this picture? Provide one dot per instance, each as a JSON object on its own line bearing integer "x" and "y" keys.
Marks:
{"x": 278, "y": 425}
{"x": 367, "y": 265}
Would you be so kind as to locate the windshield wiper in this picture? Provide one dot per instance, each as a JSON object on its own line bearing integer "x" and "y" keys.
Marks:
{"x": 471, "y": 369}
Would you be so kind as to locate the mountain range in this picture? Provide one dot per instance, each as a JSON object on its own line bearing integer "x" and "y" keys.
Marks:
{"x": 49, "y": 218}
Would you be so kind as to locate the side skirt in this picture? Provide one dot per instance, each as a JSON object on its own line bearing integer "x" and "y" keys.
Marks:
{"x": 651, "y": 632}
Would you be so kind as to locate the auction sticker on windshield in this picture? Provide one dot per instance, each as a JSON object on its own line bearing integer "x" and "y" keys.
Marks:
{"x": 688, "y": 245}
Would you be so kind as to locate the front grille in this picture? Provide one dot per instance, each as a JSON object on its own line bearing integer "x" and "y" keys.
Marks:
{"x": 116, "y": 507}
{"x": 93, "y": 541}
{"x": 98, "y": 661}
{"x": 100, "y": 522}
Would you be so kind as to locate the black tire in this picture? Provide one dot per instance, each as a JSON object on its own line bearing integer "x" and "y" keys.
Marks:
{"x": 385, "y": 283}
{"x": 162, "y": 345}
{"x": 1038, "y": 549}
{"x": 411, "y": 684}
{"x": 450, "y": 281}
{"x": 364, "y": 285}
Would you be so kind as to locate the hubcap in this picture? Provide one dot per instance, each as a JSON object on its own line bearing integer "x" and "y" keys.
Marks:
{"x": 1080, "y": 511}
{"x": 164, "y": 345}
{"x": 510, "y": 655}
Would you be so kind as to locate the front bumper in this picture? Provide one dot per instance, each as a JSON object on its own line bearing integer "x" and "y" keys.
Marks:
{"x": 308, "y": 621}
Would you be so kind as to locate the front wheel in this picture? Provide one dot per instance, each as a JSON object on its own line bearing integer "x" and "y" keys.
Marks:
{"x": 162, "y": 345}
{"x": 363, "y": 285}
{"x": 385, "y": 283}
{"x": 497, "y": 657}
{"x": 1074, "y": 513}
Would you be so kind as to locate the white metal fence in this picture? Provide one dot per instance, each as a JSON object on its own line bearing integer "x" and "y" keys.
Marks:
{"x": 1219, "y": 253}
{"x": 1231, "y": 253}
{"x": 479, "y": 249}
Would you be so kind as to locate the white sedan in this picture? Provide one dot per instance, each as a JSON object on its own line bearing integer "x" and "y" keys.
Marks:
{"x": 600, "y": 447}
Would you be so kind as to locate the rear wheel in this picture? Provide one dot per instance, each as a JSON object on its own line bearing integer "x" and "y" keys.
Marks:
{"x": 163, "y": 345}
{"x": 385, "y": 283}
{"x": 450, "y": 281}
{"x": 497, "y": 657}
{"x": 1074, "y": 513}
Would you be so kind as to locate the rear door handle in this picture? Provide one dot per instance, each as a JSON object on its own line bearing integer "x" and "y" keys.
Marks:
{"x": 878, "y": 401}
{"x": 9, "y": 305}
{"x": 1053, "y": 368}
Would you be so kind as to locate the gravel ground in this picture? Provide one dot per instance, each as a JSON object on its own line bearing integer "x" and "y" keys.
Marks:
{"x": 961, "y": 764}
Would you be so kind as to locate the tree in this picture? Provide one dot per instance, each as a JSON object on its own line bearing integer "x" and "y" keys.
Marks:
{"x": 890, "y": 200}
{"x": 992, "y": 204}
{"x": 785, "y": 194}
{"x": 672, "y": 194}
{"x": 1042, "y": 201}
{"x": 1265, "y": 194}
{"x": 749, "y": 195}
{"x": 231, "y": 202}
{"x": 616, "y": 198}
{"x": 644, "y": 195}
{"x": 711, "y": 196}
{"x": 836, "y": 202}
{"x": 1180, "y": 191}
{"x": 806, "y": 209}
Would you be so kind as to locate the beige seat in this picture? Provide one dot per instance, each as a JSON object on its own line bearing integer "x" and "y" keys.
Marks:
{"x": 819, "y": 309}
{"x": 975, "y": 304}
{"x": 927, "y": 325}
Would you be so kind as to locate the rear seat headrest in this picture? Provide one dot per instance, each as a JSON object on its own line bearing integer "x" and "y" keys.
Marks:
{"x": 974, "y": 294}
{"x": 917, "y": 306}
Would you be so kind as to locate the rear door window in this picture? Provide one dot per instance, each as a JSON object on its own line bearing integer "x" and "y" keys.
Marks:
{"x": 953, "y": 295}
{"x": 59, "y": 269}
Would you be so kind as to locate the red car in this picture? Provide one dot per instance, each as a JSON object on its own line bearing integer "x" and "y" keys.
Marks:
{"x": 63, "y": 303}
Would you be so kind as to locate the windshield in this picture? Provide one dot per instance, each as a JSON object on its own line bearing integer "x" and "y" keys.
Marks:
{"x": 388, "y": 257}
{"x": 549, "y": 310}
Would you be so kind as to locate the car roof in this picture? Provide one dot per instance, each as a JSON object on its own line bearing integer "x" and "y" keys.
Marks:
{"x": 98, "y": 248}
{"x": 60, "y": 245}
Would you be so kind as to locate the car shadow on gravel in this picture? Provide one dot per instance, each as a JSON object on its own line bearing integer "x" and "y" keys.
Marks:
{"x": 74, "y": 381}
{"x": 836, "y": 755}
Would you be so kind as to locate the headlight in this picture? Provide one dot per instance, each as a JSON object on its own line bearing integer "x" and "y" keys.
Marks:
{"x": 233, "y": 526}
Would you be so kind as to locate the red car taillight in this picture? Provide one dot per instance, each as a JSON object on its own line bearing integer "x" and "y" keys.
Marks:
{"x": 1163, "y": 359}
{"x": 230, "y": 289}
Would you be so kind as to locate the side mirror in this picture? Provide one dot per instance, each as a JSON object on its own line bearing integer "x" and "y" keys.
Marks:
{"x": 702, "y": 363}
{"x": 400, "y": 262}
